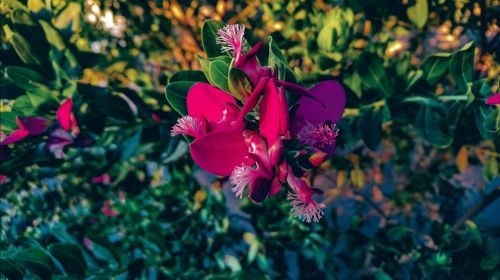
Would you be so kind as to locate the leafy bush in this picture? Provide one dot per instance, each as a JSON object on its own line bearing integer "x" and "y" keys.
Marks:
{"x": 100, "y": 189}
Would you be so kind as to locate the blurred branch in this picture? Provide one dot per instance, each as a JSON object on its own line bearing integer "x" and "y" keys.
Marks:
{"x": 487, "y": 200}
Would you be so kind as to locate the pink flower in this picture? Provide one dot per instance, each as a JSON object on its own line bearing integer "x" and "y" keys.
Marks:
{"x": 3, "y": 179}
{"x": 232, "y": 41}
{"x": 213, "y": 120}
{"x": 314, "y": 122}
{"x": 259, "y": 171}
{"x": 107, "y": 209}
{"x": 104, "y": 179}
{"x": 67, "y": 133}
{"x": 27, "y": 126}
{"x": 66, "y": 117}
{"x": 494, "y": 99}
{"x": 303, "y": 206}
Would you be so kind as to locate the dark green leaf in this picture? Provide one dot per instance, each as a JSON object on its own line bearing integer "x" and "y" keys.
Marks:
{"x": 490, "y": 262}
{"x": 70, "y": 256}
{"x": 219, "y": 72}
{"x": 431, "y": 123}
{"x": 462, "y": 65}
{"x": 372, "y": 73}
{"x": 209, "y": 35}
{"x": 176, "y": 95}
{"x": 34, "y": 260}
{"x": 188, "y": 76}
{"x": 435, "y": 66}
{"x": 26, "y": 78}
{"x": 239, "y": 84}
{"x": 370, "y": 127}
{"x": 10, "y": 270}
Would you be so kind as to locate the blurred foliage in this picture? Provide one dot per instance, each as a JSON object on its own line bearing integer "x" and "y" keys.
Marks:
{"x": 411, "y": 194}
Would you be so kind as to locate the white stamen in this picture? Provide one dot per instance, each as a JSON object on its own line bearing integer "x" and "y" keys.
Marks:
{"x": 305, "y": 209}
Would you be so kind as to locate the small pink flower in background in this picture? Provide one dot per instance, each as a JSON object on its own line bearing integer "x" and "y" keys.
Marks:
{"x": 107, "y": 209}
{"x": 66, "y": 133}
{"x": 105, "y": 179}
{"x": 303, "y": 205}
{"x": 3, "y": 179}
{"x": 494, "y": 99}
{"x": 26, "y": 126}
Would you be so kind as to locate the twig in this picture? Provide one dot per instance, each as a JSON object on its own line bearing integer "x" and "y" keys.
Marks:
{"x": 372, "y": 204}
{"x": 487, "y": 200}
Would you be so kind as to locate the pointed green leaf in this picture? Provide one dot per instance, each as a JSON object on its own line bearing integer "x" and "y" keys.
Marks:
{"x": 208, "y": 37}
{"x": 462, "y": 65}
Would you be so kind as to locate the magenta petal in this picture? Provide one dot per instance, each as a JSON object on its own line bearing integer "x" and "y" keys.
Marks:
{"x": 269, "y": 113}
{"x": 249, "y": 64}
{"x": 275, "y": 186}
{"x": 219, "y": 152}
{"x": 35, "y": 125}
{"x": 58, "y": 139}
{"x": 259, "y": 189}
{"x": 204, "y": 100}
{"x": 494, "y": 99}
{"x": 15, "y": 136}
{"x": 331, "y": 94}
{"x": 63, "y": 114}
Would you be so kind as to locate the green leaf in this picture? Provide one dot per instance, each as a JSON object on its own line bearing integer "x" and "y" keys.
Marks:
{"x": 370, "y": 127}
{"x": 490, "y": 262}
{"x": 26, "y": 52}
{"x": 325, "y": 38}
{"x": 419, "y": 13}
{"x": 219, "y": 72}
{"x": 188, "y": 76}
{"x": 70, "y": 256}
{"x": 8, "y": 121}
{"x": 380, "y": 275}
{"x": 26, "y": 78}
{"x": 176, "y": 95}
{"x": 34, "y": 260}
{"x": 372, "y": 73}
{"x": 239, "y": 84}
{"x": 69, "y": 17}
{"x": 435, "y": 66}
{"x": 353, "y": 81}
{"x": 23, "y": 106}
{"x": 206, "y": 62}
{"x": 431, "y": 123}
{"x": 53, "y": 36}
{"x": 10, "y": 270}
{"x": 487, "y": 122}
{"x": 415, "y": 77}
{"x": 252, "y": 252}
{"x": 102, "y": 252}
{"x": 462, "y": 65}
{"x": 208, "y": 37}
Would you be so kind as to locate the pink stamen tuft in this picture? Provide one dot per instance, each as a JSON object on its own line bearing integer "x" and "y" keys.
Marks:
{"x": 305, "y": 208}
{"x": 189, "y": 125}
{"x": 319, "y": 136}
{"x": 231, "y": 39}
{"x": 240, "y": 178}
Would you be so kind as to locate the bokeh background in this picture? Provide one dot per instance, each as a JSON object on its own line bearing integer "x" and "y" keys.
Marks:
{"x": 412, "y": 192}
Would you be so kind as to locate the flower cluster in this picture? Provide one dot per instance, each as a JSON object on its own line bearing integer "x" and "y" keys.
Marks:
{"x": 263, "y": 140}
{"x": 62, "y": 134}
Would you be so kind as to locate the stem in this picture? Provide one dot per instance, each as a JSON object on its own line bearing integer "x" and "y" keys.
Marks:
{"x": 487, "y": 200}
{"x": 453, "y": 97}
{"x": 372, "y": 204}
